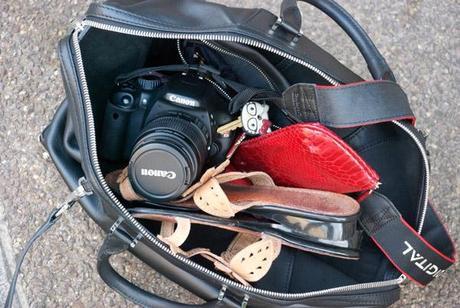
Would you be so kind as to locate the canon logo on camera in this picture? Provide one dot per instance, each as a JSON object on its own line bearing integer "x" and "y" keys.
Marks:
{"x": 179, "y": 99}
{"x": 159, "y": 173}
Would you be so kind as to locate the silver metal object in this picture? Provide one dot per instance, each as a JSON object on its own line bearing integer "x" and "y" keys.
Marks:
{"x": 73, "y": 197}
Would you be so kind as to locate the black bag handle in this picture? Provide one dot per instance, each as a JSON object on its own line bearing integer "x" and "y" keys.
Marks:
{"x": 113, "y": 245}
{"x": 292, "y": 19}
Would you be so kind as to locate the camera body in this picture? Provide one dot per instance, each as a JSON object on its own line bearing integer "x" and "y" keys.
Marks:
{"x": 167, "y": 130}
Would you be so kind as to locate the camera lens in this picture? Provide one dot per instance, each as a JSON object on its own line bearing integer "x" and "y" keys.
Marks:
{"x": 167, "y": 158}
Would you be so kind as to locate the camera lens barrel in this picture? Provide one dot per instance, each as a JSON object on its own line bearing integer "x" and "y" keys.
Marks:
{"x": 167, "y": 158}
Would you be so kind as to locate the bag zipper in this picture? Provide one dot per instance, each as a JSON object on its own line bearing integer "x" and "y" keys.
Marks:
{"x": 85, "y": 24}
{"x": 212, "y": 82}
{"x": 225, "y": 51}
{"x": 81, "y": 191}
{"x": 426, "y": 163}
{"x": 205, "y": 37}
{"x": 229, "y": 53}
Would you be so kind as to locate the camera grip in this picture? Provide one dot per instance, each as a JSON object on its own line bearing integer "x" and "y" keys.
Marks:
{"x": 113, "y": 142}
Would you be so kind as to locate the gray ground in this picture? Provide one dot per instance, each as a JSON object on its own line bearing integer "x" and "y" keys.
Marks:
{"x": 420, "y": 39}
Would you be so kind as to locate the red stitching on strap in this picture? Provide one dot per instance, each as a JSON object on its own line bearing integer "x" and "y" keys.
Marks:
{"x": 426, "y": 243}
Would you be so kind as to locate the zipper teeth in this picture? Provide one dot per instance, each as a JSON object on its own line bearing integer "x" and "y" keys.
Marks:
{"x": 224, "y": 51}
{"x": 140, "y": 227}
{"x": 179, "y": 51}
{"x": 219, "y": 88}
{"x": 427, "y": 173}
{"x": 212, "y": 82}
{"x": 209, "y": 37}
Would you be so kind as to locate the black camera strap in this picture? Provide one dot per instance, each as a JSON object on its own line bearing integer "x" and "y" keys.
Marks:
{"x": 345, "y": 106}
{"x": 409, "y": 252}
{"x": 349, "y": 105}
{"x": 153, "y": 71}
{"x": 248, "y": 94}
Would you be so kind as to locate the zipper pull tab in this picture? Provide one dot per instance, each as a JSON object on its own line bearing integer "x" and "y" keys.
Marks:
{"x": 81, "y": 191}
{"x": 77, "y": 25}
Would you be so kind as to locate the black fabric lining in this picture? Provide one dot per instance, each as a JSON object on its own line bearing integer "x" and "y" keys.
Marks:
{"x": 289, "y": 272}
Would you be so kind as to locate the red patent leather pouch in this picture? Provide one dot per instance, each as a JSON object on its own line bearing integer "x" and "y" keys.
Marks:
{"x": 307, "y": 155}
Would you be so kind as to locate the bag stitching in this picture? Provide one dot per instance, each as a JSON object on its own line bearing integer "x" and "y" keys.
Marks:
{"x": 168, "y": 25}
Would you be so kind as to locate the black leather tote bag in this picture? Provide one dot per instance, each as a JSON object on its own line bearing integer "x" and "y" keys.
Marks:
{"x": 404, "y": 238}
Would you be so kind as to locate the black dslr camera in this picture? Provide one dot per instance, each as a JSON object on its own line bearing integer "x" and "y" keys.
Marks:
{"x": 167, "y": 130}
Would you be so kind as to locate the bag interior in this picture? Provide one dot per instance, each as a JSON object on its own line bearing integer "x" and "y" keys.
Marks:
{"x": 108, "y": 54}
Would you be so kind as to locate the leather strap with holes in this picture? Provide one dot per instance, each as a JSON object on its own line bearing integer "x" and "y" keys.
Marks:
{"x": 211, "y": 198}
{"x": 216, "y": 194}
{"x": 247, "y": 259}
{"x": 251, "y": 256}
{"x": 119, "y": 180}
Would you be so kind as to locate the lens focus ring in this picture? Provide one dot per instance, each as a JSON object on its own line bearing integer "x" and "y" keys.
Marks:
{"x": 167, "y": 158}
{"x": 182, "y": 126}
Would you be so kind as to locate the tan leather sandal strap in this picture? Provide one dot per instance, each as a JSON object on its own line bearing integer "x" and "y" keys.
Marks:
{"x": 257, "y": 178}
{"x": 211, "y": 198}
{"x": 252, "y": 257}
{"x": 167, "y": 229}
{"x": 207, "y": 175}
{"x": 246, "y": 259}
{"x": 240, "y": 242}
{"x": 175, "y": 234}
{"x": 122, "y": 176}
{"x": 218, "y": 261}
{"x": 126, "y": 189}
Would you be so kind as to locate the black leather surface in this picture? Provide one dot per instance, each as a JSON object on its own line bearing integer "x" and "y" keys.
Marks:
{"x": 352, "y": 105}
{"x": 105, "y": 214}
{"x": 53, "y": 141}
{"x": 70, "y": 169}
{"x": 115, "y": 244}
{"x": 186, "y": 16}
{"x": 277, "y": 79}
{"x": 119, "y": 242}
{"x": 70, "y": 142}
